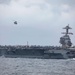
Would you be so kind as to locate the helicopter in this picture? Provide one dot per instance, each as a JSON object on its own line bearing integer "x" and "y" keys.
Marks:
{"x": 15, "y": 22}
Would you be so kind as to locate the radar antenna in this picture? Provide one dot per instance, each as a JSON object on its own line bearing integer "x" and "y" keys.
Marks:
{"x": 67, "y": 30}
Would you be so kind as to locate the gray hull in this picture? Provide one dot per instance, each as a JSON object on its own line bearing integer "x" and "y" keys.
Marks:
{"x": 38, "y": 53}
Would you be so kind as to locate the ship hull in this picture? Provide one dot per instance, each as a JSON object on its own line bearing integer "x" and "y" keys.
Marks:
{"x": 38, "y": 53}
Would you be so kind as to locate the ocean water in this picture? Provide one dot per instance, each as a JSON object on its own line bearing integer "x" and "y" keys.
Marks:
{"x": 26, "y": 66}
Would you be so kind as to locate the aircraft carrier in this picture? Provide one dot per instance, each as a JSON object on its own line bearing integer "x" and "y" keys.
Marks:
{"x": 44, "y": 52}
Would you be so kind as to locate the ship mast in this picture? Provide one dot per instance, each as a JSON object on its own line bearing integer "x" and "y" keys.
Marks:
{"x": 65, "y": 40}
{"x": 67, "y": 30}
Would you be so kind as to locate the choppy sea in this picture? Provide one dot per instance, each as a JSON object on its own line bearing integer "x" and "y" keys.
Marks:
{"x": 26, "y": 66}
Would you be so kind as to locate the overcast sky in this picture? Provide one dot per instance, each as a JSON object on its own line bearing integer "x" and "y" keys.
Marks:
{"x": 40, "y": 22}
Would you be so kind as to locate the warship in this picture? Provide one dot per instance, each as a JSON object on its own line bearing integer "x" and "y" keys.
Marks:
{"x": 44, "y": 52}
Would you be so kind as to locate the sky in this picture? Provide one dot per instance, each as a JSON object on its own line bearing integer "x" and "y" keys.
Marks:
{"x": 40, "y": 22}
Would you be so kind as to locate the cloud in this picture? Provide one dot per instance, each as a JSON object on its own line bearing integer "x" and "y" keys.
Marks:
{"x": 40, "y": 11}
{"x": 59, "y": 2}
{"x": 55, "y": 2}
{"x": 5, "y": 1}
{"x": 39, "y": 16}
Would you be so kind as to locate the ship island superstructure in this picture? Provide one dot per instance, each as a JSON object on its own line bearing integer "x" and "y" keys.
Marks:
{"x": 44, "y": 52}
{"x": 65, "y": 40}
